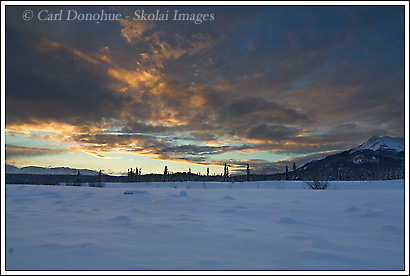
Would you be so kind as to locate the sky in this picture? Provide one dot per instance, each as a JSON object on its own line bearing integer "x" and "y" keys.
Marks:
{"x": 264, "y": 85}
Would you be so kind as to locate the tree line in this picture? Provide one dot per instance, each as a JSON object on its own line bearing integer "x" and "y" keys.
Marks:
{"x": 358, "y": 173}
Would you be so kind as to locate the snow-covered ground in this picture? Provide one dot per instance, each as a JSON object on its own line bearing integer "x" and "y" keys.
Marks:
{"x": 206, "y": 226}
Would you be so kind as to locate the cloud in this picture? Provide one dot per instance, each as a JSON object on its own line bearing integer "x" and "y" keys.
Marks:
{"x": 251, "y": 80}
{"x": 133, "y": 30}
{"x": 134, "y": 78}
{"x": 159, "y": 47}
{"x": 258, "y": 109}
{"x": 271, "y": 132}
{"x": 13, "y": 152}
{"x": 55, "y": 86}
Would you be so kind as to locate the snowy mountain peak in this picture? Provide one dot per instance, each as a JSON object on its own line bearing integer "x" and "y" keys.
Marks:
{"x": 381, "y": 143}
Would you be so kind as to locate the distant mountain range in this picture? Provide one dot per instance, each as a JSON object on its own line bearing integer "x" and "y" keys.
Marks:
{"x": 53, "y": 171}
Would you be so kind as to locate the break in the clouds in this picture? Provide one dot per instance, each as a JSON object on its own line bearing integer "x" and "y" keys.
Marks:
{"x": 295, "y": 81}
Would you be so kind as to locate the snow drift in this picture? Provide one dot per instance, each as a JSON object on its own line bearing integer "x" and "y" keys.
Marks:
{"x": 211, "y": 226}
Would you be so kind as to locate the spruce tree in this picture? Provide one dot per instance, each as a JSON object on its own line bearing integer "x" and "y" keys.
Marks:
{"x": 226, "y": 172}
{"x": 78, "y": 180}
{"x": 166, "y": 173}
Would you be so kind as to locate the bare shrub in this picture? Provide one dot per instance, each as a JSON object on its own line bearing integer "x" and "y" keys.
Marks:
{"x": 318, "y": 185}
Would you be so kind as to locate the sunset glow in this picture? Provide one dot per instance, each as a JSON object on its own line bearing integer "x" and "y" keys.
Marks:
{"x": 264, "y": 85}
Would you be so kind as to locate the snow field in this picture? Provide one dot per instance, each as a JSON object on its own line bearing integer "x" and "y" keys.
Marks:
{"x": 139, "y": 226}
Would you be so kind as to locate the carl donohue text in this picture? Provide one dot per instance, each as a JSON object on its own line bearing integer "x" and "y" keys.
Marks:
{"x": 139, "y": 15}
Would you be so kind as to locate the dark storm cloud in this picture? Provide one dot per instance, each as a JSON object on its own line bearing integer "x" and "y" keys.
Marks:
{"x": 265, "y": 132}
{"x": 194, "y": 152}
{"x": 106, "y": 142}
{"x": 360, "y": 77}
{"x": 54, "y": 84}
{"x": 137, "y": 127}
{"x": 258, "y": 109}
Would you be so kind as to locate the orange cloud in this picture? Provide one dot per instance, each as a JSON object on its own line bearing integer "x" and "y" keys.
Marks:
{"x": 161, "y": 50}
{"x": 134, "y": 79}
{"x": 86, "y": 57}
{"x": 44, "y": 45}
